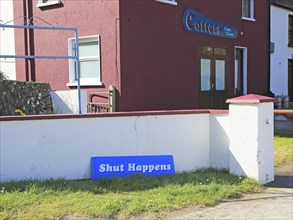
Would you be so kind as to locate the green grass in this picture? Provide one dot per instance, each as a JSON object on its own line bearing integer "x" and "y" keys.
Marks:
{"x": 109, "y": 198}
{"x": 283, "y": 142}
{"x": 124, "y": 197}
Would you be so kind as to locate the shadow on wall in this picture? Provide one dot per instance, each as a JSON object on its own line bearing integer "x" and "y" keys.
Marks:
{"x": 236, "y": 167}
{"x": 59, "y": 106}
{"x": 219, "y": 141}
{"x": 66, "y": 102}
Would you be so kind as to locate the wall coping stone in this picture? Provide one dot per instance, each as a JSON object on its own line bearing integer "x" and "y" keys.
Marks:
{"x": 250, "y": 99}
{"x": 113, "y": 114}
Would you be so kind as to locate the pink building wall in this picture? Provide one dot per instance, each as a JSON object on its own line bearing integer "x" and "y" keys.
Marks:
{"x": 145, "y": 51}
{"x": 91, "y": 18}
{"x": 161, "y": 59}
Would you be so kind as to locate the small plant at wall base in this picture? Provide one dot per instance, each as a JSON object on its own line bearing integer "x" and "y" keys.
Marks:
{"x": 20, "y": 112}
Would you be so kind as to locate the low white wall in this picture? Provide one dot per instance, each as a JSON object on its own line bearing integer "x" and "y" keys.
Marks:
{"x": 61, "y": 146}
{"x": 184, "y": 136}
{"x": 41, "y": 149}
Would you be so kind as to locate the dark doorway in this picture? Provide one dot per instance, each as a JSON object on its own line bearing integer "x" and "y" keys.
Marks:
{"x": 238, "y": 90}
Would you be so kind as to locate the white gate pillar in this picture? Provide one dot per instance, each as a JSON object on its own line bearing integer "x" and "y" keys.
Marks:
{"x": 251, "y": 137}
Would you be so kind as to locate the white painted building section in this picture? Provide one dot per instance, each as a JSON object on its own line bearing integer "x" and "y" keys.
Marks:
{"x": 281, "y": 54}
{"x": 7, "y": 43}
{"x": 241, "y": 141}
{"x": 66, "y": 101}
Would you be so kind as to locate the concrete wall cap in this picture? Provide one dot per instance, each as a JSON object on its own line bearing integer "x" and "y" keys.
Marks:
{"x": 250, "y": 99}
{"x": 113, "y": 114}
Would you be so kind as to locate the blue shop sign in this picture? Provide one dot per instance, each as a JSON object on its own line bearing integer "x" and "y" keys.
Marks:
{"x": 197, "y": 23}
{"x": 122, "y": 166}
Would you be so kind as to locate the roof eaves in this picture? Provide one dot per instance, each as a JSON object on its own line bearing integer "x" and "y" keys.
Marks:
{"x": 287, "y": 4}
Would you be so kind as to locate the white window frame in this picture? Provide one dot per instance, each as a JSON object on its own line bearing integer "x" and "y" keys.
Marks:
{"x": 251, "y": 18}
{"x": 93, "y": 81}
{"x": 42, "y": 3}
{"x": 170, "y": 2}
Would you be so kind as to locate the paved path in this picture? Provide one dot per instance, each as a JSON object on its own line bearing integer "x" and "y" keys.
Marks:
{"x": 272, "y": 204}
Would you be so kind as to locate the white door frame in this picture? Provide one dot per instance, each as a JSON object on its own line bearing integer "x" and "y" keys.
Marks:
{"x": 244, "y": 67}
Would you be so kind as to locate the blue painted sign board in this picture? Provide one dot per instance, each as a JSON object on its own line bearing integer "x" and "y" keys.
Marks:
{"x": 123, "y": 166}
{"x": 197, "y": 23}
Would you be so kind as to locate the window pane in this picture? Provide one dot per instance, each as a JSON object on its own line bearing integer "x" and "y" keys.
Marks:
{"x": 220, "y": 75}
{"x": 205, "y": 71}
{"x": 206, "y": 50}
{"x": 89, "y": 49}
{"x": 237, "y": 76}
{"x": 290, "y": 30}
{"x": 246, "y": 8}
{"x": 220, "y": 51}
{"x": 89, "y": 69}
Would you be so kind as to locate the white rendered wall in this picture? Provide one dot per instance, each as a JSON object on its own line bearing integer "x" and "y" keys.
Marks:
{"x": 186, "y": 137}
{"x": 251, "y": 141}
{"x": 7, "y": 45}
{"x": 279, "y": 59}
{"x": 41, "y": 149}
{"x": 266, "y": 142}
{"x": 66, "y": 101}
{"x": 244, "y": 135}
{"x": 62, "y": 147}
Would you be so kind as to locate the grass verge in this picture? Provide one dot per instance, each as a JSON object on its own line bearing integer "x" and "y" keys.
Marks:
{"x": 109, "y": 198}
{"x": 123, "y": 197}
{"x": 283, "y": 142}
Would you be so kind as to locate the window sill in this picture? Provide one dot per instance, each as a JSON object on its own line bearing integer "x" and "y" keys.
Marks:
{"x": 248, "y": 19}
{"x": 74, "y": 84}
{"x": 290, "y": 45}
{"x": 56, "y": 2}
{"x": 167, "y": 2}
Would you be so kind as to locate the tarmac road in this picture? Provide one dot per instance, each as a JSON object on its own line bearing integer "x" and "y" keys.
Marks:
{"x": 282, "y": 122}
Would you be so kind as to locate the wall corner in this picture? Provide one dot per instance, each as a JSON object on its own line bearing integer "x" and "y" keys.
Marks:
{"x": 251, "y": 149}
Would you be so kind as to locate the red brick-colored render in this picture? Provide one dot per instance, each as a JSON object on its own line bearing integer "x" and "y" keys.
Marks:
{"x": 145, "y": 51}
